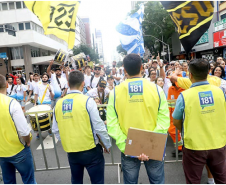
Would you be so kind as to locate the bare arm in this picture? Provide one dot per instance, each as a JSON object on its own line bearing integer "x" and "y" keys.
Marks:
{"x": 177, "y": 123}
{"x": 27, "y": 139}
{"x": 65, "y": 91}
{"x": 162, "y": 72}
{"x": 49, "y": 68}
{"x": 36, "y": 98}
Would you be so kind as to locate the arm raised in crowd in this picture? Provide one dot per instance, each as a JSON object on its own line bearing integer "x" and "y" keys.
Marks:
{"x": 49, "y": 68}
{"x": 162, "y": 72}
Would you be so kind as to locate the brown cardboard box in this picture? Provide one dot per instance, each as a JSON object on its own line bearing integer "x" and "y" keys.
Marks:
{"x": 142, "y": 141}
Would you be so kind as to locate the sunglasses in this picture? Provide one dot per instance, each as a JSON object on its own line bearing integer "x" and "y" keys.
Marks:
{"x": 97, "y": 69}
{"x": 172, "y": 64}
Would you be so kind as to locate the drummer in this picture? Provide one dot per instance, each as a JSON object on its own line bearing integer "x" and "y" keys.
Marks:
{"x": 21, "y": 93}
{"x": 34, "y": 83}
{"x": 44, "y": 92}
{"x": 11, "y": 88}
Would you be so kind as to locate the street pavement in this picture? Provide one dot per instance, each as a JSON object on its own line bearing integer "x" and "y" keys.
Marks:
{"x": 173, "y": 170}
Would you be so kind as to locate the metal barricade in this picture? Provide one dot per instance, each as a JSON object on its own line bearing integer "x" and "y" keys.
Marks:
{"x": 112, "y": 163}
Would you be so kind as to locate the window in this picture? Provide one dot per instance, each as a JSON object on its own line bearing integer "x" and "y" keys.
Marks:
{"x": 18, "y": 5}
{"x": 16, "y": 53}
{"x": 27, "y": 26}
{"x": 21, "y": 26}
{"x": 21, "y": 53}
{"x": 0, "y": 6}
{"x": 223, "y": 16}
{"x": 4, "y": 6}
{"x": 1, "y": 28}
{"x": 11, "y": 6}
{"x": 24, "y": 6}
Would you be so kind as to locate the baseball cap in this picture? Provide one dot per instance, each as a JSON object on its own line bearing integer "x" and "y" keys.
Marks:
{"x": 109, "y": 76}
{"x": 102, "y": 83}
{"x": 57, "y": 69}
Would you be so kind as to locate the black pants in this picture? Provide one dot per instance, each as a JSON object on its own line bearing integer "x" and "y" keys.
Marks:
{"x": 92, "y": 160}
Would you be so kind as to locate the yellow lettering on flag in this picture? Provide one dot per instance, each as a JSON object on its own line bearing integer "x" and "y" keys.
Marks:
{"x": 57, "y": 18}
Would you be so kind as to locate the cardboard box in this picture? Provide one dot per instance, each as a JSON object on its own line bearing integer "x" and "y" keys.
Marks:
{"x": 142, "y": 141}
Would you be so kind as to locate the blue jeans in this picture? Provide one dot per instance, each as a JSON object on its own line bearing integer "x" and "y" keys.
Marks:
{"x": 92, "y": 160}
{"x": 23, "y": 163}
{"x": 131, "y": 168}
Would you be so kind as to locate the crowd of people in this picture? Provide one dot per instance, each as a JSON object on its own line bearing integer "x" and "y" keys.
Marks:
{"x": 80, "y": 91}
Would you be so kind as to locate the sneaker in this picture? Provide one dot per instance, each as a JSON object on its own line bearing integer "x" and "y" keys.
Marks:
{"x": 180, "y": 153}
{"x": 37, "y": 137}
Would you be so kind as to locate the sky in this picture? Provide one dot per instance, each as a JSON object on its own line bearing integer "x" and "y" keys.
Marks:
{"x": 105, "y": 15}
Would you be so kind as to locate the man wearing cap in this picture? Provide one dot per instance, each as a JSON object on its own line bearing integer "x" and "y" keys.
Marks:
{"x": 111, "y": 83}
{"x": 34, "y": 83}
{"x": 96, "y": 78}
{"x": 59, "y": 84}
{"x": 101, "y": 92}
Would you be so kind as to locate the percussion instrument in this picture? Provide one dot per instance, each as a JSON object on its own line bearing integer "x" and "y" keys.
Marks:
{"x": 78, "y": 61}
{"x": 61, "y": 57}
{"x": 43, "y": 118}
{"x": 32, "y": 100}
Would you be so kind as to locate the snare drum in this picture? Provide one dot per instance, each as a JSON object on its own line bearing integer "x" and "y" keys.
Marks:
{"x": 61, "y": 57}
{"x": 43, "y": 118}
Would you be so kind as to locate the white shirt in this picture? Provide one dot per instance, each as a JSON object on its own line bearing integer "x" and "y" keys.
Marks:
{"x": 118, "y": 75}
{"x": 166, "y": 86}
{"x": 40, "y": 89}
{"x": 63, "y": 75}
{"x": 56, "y": 87}
{"x": 87, "y": 80}
{"x": 18, "y": 117}
{"x": 9, "y": 90}
{"x": 150, "y": 80}
{"x": 20, "y": 89}
{"x": 94, "y": 93}
{"x": 34, "y": 84}
{"x": 97, "y": 124}
{"x": 95, "y": 81}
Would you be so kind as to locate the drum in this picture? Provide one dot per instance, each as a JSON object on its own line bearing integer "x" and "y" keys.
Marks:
{"x": 78, "y": 61}
{"x": 61, "y": 57}
{"x": 32, "y": 100}
{"x": 43, "y": 118}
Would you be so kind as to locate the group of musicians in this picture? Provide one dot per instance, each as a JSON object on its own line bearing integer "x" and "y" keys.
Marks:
{"x": 134, "y": 103}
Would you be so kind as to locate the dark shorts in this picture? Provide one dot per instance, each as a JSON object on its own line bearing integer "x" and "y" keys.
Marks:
{"x": 194, "y": 162}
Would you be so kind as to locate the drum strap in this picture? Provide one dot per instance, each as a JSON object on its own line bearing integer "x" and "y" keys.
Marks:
{"x": 44, "y": 94}
{"x": 11, "y": 89}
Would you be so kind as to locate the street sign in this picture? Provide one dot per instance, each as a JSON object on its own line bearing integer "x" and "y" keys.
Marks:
{"x": 3, "y": 55}
{"x": 220, "y": 25}
{"x": 203, "y": 39}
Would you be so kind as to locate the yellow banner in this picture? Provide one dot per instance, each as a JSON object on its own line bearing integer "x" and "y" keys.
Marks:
{"x": 57, "y": 18}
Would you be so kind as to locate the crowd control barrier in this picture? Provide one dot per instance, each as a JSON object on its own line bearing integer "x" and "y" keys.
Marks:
{"x": 59, "y": 167}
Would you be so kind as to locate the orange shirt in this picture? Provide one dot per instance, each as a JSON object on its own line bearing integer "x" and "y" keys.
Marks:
{"x": 173, "y": 94}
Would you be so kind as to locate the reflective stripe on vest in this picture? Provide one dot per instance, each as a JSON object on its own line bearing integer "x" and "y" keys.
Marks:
{"x": 10, "y": 143}
{"x": 74, "y": 123}
{"x": 136, "y": 104}
{"x": 205, "y": 118}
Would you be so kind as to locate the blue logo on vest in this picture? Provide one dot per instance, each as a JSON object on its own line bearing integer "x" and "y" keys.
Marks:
{"x": 206, "y": 99}
{"x": 135, "y": 88}
{"x": 67, "y": 106}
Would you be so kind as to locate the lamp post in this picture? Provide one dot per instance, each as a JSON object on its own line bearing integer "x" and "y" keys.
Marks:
{"x": 6, "y": 63}
{"x": 160, "y": 41}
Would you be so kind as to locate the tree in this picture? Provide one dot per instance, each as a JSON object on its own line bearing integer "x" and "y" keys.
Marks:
{"x": 87, "y": 51}
{"x": 156, "y": 20}
{"x": 120, "y": 50}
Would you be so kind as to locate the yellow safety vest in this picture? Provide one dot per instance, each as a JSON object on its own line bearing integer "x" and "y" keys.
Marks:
{"x": 10, "y": 143}
{"x": 205, "y": 118}
{"x": 74, "y": 123}
{"x": 130, "y": 106}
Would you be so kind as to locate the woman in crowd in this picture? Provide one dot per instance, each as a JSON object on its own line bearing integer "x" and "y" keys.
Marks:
{"x": 212, "y": 66}
{"x": 152, "y": 75}
{"x": 29, "y": 83}
{"x": 159, "y": 81}
{"x": 21, "y": 93}
{"x": 219, "y": 72}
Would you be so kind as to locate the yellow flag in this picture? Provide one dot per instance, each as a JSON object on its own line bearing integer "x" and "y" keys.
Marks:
{"x": 57, "y": 18}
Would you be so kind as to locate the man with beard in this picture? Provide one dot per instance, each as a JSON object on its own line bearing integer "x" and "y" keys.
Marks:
{"x": 43, "y": 94}
{"x": 96, "y": 78}
{"x": 117, "y": 77}
{"x": 11, "y": 88}
{"x": 59, "y": 84}
{"x": 101, "y": 92}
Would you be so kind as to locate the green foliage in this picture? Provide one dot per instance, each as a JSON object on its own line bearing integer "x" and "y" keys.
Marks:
{"x": 121, "y": 50}
{"x": 88, "y": 51}
{"x": 155, "y": 14}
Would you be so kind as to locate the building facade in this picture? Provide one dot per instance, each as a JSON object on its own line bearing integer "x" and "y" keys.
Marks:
{"x": 213, "y": 42}
{"x": 30, "y": 50}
